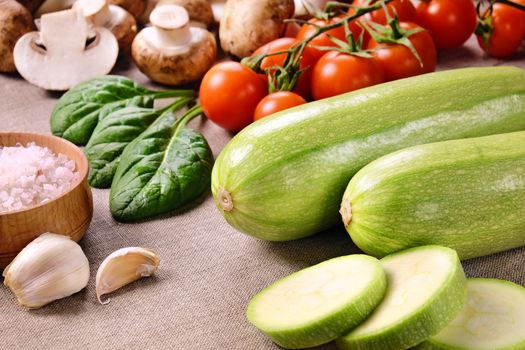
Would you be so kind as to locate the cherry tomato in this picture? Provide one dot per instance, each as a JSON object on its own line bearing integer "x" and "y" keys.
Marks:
{"x": 403, "y": 8}
{"x": 397, "y": 61}
{"x": 509, "y": 31}
{"x": 450, "y": 22}
{"x": 306, "y": 62}
{"x": 229, "y": 93}
{"x": 336, "y": 73}
{"x": 307, "y": 30}
{"x": 276, "y": 102}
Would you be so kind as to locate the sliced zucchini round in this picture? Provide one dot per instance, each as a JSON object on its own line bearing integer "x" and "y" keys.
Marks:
{"x": 493, "y": 318}
{"x": 426, "y": 290}
{"x": 319, "y": 304}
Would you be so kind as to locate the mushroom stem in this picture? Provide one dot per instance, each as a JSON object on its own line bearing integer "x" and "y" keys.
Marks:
{"x": 97, "y": 11}
{"x": 171, "y": 26}
{"x": 58, "y": 41}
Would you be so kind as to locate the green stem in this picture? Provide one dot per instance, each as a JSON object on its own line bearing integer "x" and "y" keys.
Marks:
{"x": 510, "y": 3}
{"x": 189, "y": 115}
{"x": 172, "y": 93}
{"x": 175, "y": 106}
{"x": 291, "y": 62}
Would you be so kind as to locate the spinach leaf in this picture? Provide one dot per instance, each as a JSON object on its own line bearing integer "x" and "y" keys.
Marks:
{"x": 78, "y": 111}
{"x": 113, "y": 133}
{"x": 166, "y": 167}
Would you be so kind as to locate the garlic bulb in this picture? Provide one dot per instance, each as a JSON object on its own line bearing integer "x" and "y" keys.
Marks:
{"x": 124, "y": 266}
{"x": 49, "y": 268}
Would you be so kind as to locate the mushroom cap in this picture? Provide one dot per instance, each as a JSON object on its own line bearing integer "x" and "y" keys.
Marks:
{"x": 199, "y": 10}
{"x": 175, "y": 66}
{"x": 135, "y": 7}
{"x": 66, "y": 60}
{"x": 15, "y": 21}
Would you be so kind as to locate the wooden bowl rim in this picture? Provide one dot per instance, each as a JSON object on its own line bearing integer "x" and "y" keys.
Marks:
{"x": 83, "y": 167}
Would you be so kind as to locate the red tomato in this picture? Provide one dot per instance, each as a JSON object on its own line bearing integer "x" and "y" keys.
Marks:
{"x": 306, "y": 62}
{"x": 307, "y": 30}
{"x": 403, "y": 8}
{"x": 276, "y": 102}
{"x": 397, "y": 61}
{"x": 336, "y": 73}
{"x": 450, "y": 22}
{"x": 509, "y": 31}
{"x": 229, "y": 93}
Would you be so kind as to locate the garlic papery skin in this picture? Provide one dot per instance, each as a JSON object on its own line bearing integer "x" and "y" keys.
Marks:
{"x": 124, "y": 266}
{"x": 49, "y": 268}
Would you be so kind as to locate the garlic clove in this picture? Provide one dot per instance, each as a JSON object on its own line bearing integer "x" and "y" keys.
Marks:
{"x": 124, "y": 266}
{"x": 51, "y": 267}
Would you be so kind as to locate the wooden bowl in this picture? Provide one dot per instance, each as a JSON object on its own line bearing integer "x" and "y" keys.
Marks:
{"x": 69, "y": 214}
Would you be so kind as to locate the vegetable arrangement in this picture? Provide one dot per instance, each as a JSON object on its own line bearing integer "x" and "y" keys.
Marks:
{"x": 348, "y": 47}
{"x": 283, "y": 177}
{"x": 153, "y": 163}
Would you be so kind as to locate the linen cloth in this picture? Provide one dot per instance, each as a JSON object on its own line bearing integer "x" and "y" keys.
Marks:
{"x": 208, "y": 270}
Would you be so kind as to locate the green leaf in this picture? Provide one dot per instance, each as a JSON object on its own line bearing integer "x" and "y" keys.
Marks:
{"x": 166, "y": 167}
{"x": 113, "y": 133}
{"x": 78, "y": 111}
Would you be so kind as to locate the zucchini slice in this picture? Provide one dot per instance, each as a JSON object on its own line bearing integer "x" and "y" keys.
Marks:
{"x": 426, "y": 290}
{"x": 493, "y": 318}
{"x": 318, "y": 304}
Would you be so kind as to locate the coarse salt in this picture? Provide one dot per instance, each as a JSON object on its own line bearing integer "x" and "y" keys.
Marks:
{"x": 31, "y": 175}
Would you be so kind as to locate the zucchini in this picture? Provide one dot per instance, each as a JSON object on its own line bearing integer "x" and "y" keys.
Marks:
{"x": 492, "y": 319}
{"x": 426, "y": 290}
{"x": 468, "y": 195}
{"x": 283, "y": 177}
{"x": 318, "y": 304}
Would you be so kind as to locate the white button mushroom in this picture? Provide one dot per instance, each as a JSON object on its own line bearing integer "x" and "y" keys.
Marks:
{"x": 119, "y": 21}
{"x": 171, "y": 51}
{"x": 65, "y": 57}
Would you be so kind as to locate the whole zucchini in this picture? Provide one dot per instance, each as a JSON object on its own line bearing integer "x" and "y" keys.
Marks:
{"x": 468, "y": 195}
{"x": 283, "y": 177}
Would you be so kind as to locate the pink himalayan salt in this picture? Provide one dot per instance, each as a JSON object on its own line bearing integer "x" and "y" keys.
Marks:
{"x": 33, "y": 175}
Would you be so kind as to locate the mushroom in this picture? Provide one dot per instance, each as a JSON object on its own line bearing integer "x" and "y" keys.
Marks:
{"x": 15, "y": 21}
{"x": 119, "y": 21}
{"x": 171, "y": 51}
{"x": 66, "y": 56}
{"x": 135, "y": 7}
{"x": 200, "y": 11}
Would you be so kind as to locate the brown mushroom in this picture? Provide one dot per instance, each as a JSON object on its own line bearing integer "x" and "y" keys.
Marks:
{"x": 171, "y": 51}
{"x": 119, "y": 21}
{"x": 135, "y": 7}
{"x": 15, "y": 21}
{"x": 60, "y": 56}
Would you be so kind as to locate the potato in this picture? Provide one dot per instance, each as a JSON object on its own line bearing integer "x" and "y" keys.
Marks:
{"x": 249, "y": 24}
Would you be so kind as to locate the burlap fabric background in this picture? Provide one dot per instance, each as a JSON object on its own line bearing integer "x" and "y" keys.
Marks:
{"x": 208, "y": 269}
